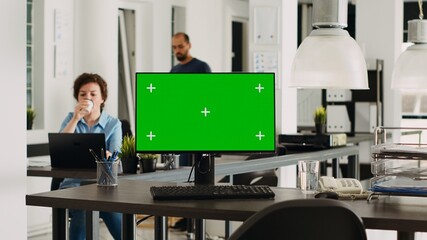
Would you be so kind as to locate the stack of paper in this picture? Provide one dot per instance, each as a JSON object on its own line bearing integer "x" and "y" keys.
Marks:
{"x": 42, "y": 161}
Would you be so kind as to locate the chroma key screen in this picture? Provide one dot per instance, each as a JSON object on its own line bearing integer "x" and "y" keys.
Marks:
{"x": 205, "y": 112}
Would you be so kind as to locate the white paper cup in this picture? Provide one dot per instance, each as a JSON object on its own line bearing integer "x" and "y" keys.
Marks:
{"x": 90, "y": 106}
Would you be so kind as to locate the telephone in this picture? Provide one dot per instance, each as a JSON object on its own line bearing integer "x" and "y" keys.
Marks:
{"x": 340, "y": 185}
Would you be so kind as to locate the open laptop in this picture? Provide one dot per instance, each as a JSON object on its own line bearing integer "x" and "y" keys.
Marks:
{"x": 71, "y": 150}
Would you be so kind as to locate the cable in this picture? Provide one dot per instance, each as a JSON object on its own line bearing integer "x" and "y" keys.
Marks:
{"x": 191, "y": 172}
{"x": 209, "y": 162}
{"x": 420, "y": 5}
{"x": 143, "y": 219}
{"x": 198, "y": 166}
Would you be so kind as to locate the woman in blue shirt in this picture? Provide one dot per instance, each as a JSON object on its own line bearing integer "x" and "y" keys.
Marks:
{"x": 90, "y": 91}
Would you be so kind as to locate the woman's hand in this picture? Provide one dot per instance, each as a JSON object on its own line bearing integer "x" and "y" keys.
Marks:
{"x": 108, "y": 154}
{"x": 83, "y": 108}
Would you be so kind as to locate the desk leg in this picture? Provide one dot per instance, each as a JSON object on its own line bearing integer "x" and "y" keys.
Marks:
{"x": 200, "y": 229}
{"x": 353, "y": 170}
{"x": 323, "y": 168}
{"x": 227, "y": 229}
{"x": 335, "y": 168}
{"x": 160, "y": 228}
{"x": 59, "y": 223}
{"x": 92, "y": 225}
{"x": 128, "y": 226}
{"x": 405, "y": 235}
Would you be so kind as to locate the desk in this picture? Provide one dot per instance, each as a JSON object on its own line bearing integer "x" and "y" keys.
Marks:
{"x": 130, "y": 197}
{"x": 48, "y": 171}
{"x": 180, "y": 175}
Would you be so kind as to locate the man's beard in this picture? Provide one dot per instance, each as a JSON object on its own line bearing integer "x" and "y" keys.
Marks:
{"x": 181, "y": 57}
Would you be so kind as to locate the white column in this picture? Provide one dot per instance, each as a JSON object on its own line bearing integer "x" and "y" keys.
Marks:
{"x": 288, "y": 96}
{"x": 12, "y": 74}
{"x": 285, "y": 48}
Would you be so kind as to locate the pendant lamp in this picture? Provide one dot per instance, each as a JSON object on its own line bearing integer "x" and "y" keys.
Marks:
{"x": 410, "y": 70}
{"x": 329, "y": 57}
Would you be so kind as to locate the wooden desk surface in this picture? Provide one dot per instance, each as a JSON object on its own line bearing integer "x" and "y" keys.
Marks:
{"x": 48, "y": 171}
{"x": 133, "y": 196}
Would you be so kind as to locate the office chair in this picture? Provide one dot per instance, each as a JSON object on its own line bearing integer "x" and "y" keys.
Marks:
{"x": 320, "y": 219}
{"x": 261, "y": 177}
{"x": 126, "y": 130}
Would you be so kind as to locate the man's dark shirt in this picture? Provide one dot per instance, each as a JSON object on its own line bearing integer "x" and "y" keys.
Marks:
{"x": 194, "y": 66}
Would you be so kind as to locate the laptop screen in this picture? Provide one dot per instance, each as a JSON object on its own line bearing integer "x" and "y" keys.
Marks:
{"x": 71, "y": 150}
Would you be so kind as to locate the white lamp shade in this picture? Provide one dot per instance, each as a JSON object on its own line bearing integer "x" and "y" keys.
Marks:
{"x": 410, "y": 70}
{"x": 329, "y": 58}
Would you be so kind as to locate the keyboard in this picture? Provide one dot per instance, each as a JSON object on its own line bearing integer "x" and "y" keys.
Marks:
{"x": 205, "y": 192}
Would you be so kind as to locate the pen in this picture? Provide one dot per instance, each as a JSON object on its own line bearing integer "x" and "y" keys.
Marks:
{"x": 94, "y": 155}
{"x": 115, "y": 153}
{"x": 102, "y": 154}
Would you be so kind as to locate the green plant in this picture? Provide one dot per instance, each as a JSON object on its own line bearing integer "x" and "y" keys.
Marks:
{"x": 148, "y": 156}
{"x": 128, "y": 147}
{"x": 320, "y": 115}
{"x": 31, "y": 114}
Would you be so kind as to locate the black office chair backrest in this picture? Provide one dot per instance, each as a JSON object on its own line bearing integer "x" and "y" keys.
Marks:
{"x": 261, "y": 177}
{"x": 126, "y": 130}
{"x": 304, "y": 219}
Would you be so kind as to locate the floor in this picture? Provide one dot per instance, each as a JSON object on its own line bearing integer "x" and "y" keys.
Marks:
{"x": 144, "y": 232}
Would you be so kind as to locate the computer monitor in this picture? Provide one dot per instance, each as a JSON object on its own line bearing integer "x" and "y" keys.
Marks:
{"x": 205, "y": 112}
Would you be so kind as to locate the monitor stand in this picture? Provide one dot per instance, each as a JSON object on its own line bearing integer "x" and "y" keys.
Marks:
{"x": 204, "y": 170}
{"x": 204, "y": 174}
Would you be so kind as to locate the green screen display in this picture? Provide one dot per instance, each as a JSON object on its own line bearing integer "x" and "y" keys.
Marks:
{"x": 208, "y": 112}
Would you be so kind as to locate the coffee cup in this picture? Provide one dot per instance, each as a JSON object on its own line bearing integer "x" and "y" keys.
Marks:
{"x": 89, "y": 107}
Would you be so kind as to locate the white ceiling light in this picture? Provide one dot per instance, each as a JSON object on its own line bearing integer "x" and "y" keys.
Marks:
{"x": 329, "y": 57}
{"x": 410, "y": 70}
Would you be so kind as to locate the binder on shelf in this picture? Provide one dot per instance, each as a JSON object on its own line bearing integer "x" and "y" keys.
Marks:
{"x": 314, "y": 140}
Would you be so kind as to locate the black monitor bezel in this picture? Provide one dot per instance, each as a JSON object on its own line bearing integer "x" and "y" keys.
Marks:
{"x": 172, "y": 151}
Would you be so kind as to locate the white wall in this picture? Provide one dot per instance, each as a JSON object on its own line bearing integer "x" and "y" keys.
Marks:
{"x": 12, "y": 83}
{"x": 161, "y": 35}
{"x": 379, "y": 30}
{"x": 53, "y": 89}
{"x": 58, "y": 76}
{"x": 205, "y": 26}
{"x": 234, "y": 11}
{"x": 96, "y": 44}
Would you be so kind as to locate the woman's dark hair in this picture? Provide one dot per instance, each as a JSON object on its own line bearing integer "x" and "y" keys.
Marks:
{"x": 86, "y": 78}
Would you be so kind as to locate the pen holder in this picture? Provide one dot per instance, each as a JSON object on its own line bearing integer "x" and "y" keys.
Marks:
{"x": 106, "y": 172}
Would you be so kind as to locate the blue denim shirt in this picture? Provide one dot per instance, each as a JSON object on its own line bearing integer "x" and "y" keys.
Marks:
{"x": 112, "y": 127}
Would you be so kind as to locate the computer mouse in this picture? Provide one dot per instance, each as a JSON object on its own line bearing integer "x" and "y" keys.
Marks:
{"x": 331, "y": 195}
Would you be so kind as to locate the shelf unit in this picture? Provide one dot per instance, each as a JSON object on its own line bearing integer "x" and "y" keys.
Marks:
{"x": 399, "y": 169}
